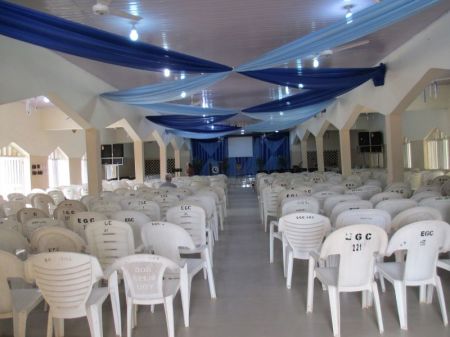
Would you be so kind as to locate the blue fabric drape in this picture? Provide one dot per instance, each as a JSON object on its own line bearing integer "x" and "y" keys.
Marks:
{"x": 206, "y": 153}
{"x": 164, "y": 92}
{"x": 55, "y": 33}
{"x": 187, "y": 110}
{"x": 274, "y": 151}
{"x": 194, "y": 123}
{"x": 364, "y": 22}
{"x": 199, "y": 135}
{"x": 320, "y": 78}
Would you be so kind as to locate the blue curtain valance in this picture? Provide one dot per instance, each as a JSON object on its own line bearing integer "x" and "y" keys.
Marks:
{"x": 55, "y": 33}
{"x": 320, "y": 78}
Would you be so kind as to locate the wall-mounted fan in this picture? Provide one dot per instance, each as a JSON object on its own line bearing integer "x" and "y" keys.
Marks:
{"x": 102, "y": 8}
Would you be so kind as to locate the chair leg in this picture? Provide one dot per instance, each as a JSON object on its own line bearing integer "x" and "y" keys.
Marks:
{"x": 441, "y": 298}
{"x": 95, "y": 319}
{"x": 271, "y": 239}
{"x": 129, "y": 317}
{"x": 430, "y": 291}
{"x": 333, "y": 295}
{"x": 400, "y": 294}
{"x": 376, "y": 299}
{"x": 423, "y": 294}
{"x": 20, "y": 323}
{"x": 168, "y": 308}
{"x": 115, "y": 304}
{"x": 185, "y": 292}
{"x": 58, "y": 324}
{"x": 207, "y": 262}
{"x": 50, "y": 324}
{"x": 310, "y": 295}
{"x": 290, "y": 266}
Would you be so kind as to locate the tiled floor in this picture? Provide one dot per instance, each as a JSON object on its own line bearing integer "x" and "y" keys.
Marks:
{"x": 252, "y": 299}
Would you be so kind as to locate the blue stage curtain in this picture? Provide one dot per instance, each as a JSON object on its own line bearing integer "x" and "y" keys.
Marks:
{"x": 320, "y": 78}
{"x": 166, "y": 91}
{"x": 274, "y": 147}
{"x": 193, "y": 123}
{"x": 364, "y": 22}
{"x": 55, "y": 33}
{"x": 208, "y": 153}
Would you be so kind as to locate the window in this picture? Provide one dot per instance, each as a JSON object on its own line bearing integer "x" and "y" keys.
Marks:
{"x": 14, "y": 170}
{"x": 58, "y": 169}
{"x": 407, "y": 157}
{"x": 436, "y": 150}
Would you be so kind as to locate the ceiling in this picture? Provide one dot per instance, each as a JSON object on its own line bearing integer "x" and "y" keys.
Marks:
{"x": 230, "y": 32}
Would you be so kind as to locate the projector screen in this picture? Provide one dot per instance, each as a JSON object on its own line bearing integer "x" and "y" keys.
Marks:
{"x": 240, "y": 147}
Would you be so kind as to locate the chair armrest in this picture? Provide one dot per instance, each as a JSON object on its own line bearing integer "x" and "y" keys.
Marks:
{"x": 19, "y": 283}
{"x": 315, "y": 256}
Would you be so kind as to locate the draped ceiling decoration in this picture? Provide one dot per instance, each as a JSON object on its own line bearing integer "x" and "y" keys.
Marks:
{"x": 321, "y": 86}
{"x": 55, "y": 33}
{"x": 364, "y": 22}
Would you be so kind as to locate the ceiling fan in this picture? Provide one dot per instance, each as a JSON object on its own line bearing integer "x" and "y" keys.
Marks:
{"x": 344, "y": 47}
{"x": 102, "y": 8}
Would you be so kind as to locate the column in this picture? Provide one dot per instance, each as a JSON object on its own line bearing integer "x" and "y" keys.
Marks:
{"x": 177, "y": 155}
{"x": 304, "y": 149}
{"x": 345, "y": 151}
{"x": 394, "y": 147}
{"x": 94, "y": 166}
{"x": 139, "y": 161}
{"x": 162, "y": 160}
{"x": 319, "y": 152}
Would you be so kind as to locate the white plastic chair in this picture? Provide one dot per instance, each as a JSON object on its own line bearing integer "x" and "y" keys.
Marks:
{"x": 166, "y": 239}
{"x": 33, "y": 224}
{"x": 80, "y": 220}
{"x": 165, "y": 201}
{"x": 105, "y": 206}
{"x": 149, "y": 280}
{"x": 29, "y": 213}
{"x": 395, "y": 206}
{"x": 400, "y": 188}
{"x": 110, "y": 240}
{"x": 56, "y": 239}
{"x": 17, "y": 197}
{"x": 348, "y": 205}
{"x": 425, "y": 194}
{"x": 66, "y": 209}
{"x": 57, "y": 196}
{"x": 357, "y": 246}
{"x": 365, "y": 192}
{"x": 322, "y": 195}
{"x": 333, "y": 200}
{"x": 269, "y": 203}
{"x": 135, "y": 219}
{"x": 149, "y": 208}
{"x": 10, "y": 208}
{"x": 440, "y": 203}
{"x": 302, "y": 233}
{"x": 12, "y": 241}
{"x": 423, "y": 241}
{"x": 375, "y": 199}
{"x": 66, "y": 281}
{"x": 376, "y": 217}
{"x": 211, "y": 215}
{"x": 415, "y": 214}
{"x": 16, "y": 303}
{"x": 43, "y": 202}
{"x": 6, "y": 223}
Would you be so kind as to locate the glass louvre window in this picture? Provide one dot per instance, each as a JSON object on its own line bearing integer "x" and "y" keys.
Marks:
{"x": 407, "y": 158}
{"x": 14, "y": 170}
{"x": 84, "y": 170}
{"x": 58, "y": 169}
{"x": 436, "y": 150}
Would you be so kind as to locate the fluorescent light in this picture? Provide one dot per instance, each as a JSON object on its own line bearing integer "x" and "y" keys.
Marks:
{"x": 276, "y": 131}
{"x": 316, "y": 62}
{"x": 134, "y": 36}
{"x": 166, "y": 72}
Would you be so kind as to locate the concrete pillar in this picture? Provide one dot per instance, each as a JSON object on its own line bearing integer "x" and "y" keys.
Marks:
{"x": 177, "y": 155}
{"x": 162, "y": 160}
{"x": 94, "y": 166}
{"x": 139, "y": 162}
{"x": 75, "y": 171}
{"x": 319, "y": 152}
{"x": 304, "y": 149}
{"x": 394, "y": 147}
{"x": 345, "y": 151}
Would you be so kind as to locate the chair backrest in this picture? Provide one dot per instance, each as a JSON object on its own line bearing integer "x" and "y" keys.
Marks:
{"x": 365, "y": 192}
{"x": 423, "y": 241}
{"x": 440, "y": 203}
{"x": 10, "y": 266}
{"x": 445, "y": 189}
{"x": 17, "y": 197}
{"x": 190, "y": 217}
{"x": 348, "y": 205}
{"x": 135, "y": 219}
{"x": 321, "y": 187}
{"x": 289, "y": 194}
{"x": 395, "y": 206}
{"x": 199, "y": 200}
{"x": 29, "y": 213}
{"x": 110, "y": 240}
{"x": 65, "y": 280}
{"x": 356, "y": 246}
{"x": 12, "y": 241}
{"x": 166, "y": 238}
{"x": 270, "y": 198}
{"x": 375, "y": 199}
{"x": 425, "y": 194}
{"x": 32, "y": 224}
{"x": 42, "y": 201}
{"x": 105, "y": 206}
{"x": 415, "y": 214}
{"x": 440, "y": 180}
{"x": 67, "y": 208}
{"x": 165, "y": 201}
{"x": 57, "y": 196}
{"x": 303, "y": 189}
{"x": 87, "y": 199}
{"x": 304, "y": 231}
{"x": 80, "y": 220}
{"x": 56, "y": 239}
{"x": 376, "y": 217}
{"x": 11, "y": 224}
{"x": 144, "y": 275}
{"x": 149, "y": 208}
{"x": 10, "y": 208}
{"x": 400, "y": 188}
{"x": 300, "y": 204}
{"x": 331, "y": 201}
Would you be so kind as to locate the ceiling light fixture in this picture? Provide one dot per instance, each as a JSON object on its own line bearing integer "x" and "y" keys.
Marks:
{"x": 166, "y": 72}
{"x": 183, "y": 94}
{"x": 134, "y": 35}
{"x": 46, "y": 100}
{"x": 316, "y": 62}
{"x": 348, "y": 13}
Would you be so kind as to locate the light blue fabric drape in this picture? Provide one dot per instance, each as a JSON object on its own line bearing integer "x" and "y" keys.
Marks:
{"x": 291, "y": 115}
{"x": 366, "y": 21}
{"x": 199, "y": 135}
{"x": 188, "y": 110}
{"x": 165, "y": 92}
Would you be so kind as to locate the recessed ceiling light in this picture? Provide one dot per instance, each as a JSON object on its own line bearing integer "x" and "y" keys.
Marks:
{"x": 316, "y": 62}
{"x": 134, "y": 35}
{"x": 183, "y": 94}
{"x": 166, "y": 72}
